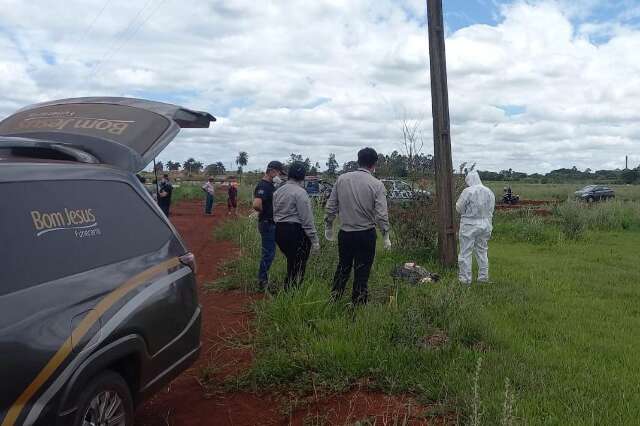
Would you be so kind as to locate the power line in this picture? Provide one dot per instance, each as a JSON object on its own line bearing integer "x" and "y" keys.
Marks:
{"x": 118, "y": 38}
{"x": 86, "y": 32}
{"x": 133, "y": 32}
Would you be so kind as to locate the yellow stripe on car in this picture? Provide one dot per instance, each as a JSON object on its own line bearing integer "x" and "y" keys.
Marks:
{"x": 78, "y": 333}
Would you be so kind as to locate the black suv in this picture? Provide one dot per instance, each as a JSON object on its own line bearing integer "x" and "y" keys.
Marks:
{"x": 98, "y": 301}
{"x": 592, "y": 193}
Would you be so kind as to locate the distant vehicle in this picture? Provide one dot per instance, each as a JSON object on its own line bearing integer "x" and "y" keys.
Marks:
{"x": 399, "y": 190}
{"x": 509, "y": 197}
{"x": 99, "y": 299}
{"x": 318, "y": 189}
{"x": 591, "y": 193}
{"x": 312, "y": 185}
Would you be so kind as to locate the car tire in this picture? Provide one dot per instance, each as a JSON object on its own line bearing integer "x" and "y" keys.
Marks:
{"x": 106, "y": 400}
{"x": 590, "y": 199}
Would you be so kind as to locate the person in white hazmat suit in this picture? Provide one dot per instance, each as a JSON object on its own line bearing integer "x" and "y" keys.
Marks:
{"x": 475, "y": 205}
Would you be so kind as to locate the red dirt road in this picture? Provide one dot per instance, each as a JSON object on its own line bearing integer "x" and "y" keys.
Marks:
{"x": 198, "y": 397}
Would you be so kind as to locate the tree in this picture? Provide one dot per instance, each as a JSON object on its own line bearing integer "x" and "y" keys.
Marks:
{"x": 192, "y": 166}
{"x": 215, "y": 169}
{"x": 332, "y": 165}
{"x": 159, "y": 166}
{"x": 412, "y": 144}
{"x": 350, "y": 166}
{"x": 629, "y": 176}
{"x": 314, "y": 169}
{"x": 173, "y": 165}
{"x": 298, "y": 158}
{"x": 241, "y": 160}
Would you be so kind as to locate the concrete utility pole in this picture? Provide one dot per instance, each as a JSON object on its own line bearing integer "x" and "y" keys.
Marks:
{"x": 441, "y": 136}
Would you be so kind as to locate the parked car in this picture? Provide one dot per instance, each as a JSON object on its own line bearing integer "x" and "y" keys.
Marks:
{"x": 398, "y": 190}
{"x": 98, "y": 296}
{"x": 592, "y": 193}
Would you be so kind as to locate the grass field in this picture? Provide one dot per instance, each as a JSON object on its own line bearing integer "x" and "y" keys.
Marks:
{"x": 553, "y": 340}
{"x": 529, "y": 191}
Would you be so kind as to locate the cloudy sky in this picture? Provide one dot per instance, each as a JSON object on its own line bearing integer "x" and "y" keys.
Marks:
{"x": 534, "y": 85}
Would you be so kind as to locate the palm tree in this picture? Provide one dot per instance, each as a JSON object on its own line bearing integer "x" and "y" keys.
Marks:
{"x": 241, "y": 160}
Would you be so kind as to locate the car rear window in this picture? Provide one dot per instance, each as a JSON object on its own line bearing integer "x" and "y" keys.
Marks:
{"x": 52, "y": 229}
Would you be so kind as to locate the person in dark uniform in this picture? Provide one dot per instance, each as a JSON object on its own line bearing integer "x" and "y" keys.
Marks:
{"x": 164, "y": 194}
{"x": 263, "y": 204}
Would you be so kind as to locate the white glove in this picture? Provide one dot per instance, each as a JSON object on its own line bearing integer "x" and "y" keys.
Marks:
{"x": 315, "y": 248}
{"x": 387, "y": 241}
{"x": 328, "y": 234}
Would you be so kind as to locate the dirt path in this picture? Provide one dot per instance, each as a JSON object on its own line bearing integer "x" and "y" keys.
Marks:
{"x": 197, "y": 397}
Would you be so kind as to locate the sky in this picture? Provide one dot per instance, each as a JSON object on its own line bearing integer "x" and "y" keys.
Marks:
{"x": 533, "y": 85}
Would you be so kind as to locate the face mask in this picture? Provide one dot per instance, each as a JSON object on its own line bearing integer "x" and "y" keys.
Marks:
{"x": 277, "y": 180}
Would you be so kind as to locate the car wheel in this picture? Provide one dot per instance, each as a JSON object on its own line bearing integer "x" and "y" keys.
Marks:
{"x": 590, "y": 199}
{"x": 105, "y": 402}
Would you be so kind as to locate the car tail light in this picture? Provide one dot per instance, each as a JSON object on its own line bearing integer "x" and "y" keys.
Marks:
{"x": 189, "y": 259}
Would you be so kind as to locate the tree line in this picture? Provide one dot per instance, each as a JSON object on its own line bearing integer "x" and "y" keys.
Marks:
{"x": 410, "y": 164}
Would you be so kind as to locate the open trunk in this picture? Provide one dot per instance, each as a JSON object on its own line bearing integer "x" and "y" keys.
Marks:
{"x": 123, "y": 132}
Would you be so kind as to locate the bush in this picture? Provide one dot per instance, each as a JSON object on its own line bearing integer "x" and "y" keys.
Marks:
{"x": 415, "y": 225}
{"x": 523, "y": 225}
{"x": 577, "y": 217}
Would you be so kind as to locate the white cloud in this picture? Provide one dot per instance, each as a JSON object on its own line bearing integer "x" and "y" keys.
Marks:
{"x": 333, "y": 76}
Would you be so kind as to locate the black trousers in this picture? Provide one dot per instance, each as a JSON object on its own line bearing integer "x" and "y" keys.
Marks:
{"x": 356, "y": 250}
{"x": 165, "y": 208}
{"x": 296, "y": 246}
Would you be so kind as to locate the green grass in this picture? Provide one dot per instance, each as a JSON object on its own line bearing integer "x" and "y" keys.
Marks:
{"x": 193, "y": 191}
{"x": 187, "y": 191}
{"x": 561, "y": 323}
{"x": 530, "y": 191}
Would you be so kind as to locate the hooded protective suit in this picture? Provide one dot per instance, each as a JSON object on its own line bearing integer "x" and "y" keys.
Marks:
{"x": 475, "y": 205}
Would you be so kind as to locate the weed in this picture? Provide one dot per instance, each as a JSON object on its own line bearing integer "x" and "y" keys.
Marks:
{"x": 476, "y": 403}
{"x": 508, "y": 404}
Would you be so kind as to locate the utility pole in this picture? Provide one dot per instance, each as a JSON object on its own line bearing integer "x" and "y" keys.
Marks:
{"x": 441, "y": 135}
{"x": 626, "y": 162}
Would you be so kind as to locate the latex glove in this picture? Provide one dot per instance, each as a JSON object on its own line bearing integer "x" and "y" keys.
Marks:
{"x": 315, "y": 248}
{"x": 328, "y": 234}
{"x": 386, "y": 241}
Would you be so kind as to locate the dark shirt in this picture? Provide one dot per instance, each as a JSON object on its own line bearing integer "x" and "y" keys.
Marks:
{"x": 233, "y": 192}
{"x": 166, "y": 200}
{"x": 264, "y": 190}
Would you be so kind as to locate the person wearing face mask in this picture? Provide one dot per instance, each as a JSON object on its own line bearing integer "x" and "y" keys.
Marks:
{"x": 359, "y": 199}
{"x": 263, "y": 204}
{"x": 296, "y": 233}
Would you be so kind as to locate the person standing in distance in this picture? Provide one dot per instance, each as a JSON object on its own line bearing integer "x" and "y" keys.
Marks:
{"x": 359, "y": 199}
{"x": 263, "y": 204}
{"x": 209, "y": 191}
{"x": 232, "y": 197}
{"x": 164, "y": 194}
{"x": 296, "y": 233}
{"x": 475, "y": 205}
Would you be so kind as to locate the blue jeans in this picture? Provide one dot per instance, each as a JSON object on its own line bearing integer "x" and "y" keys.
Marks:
{"x": 208, "y": 204}
{"x": 267, "y": 231}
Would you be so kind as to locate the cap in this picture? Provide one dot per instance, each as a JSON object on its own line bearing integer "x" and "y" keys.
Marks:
{"x": 276, "y": 165}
